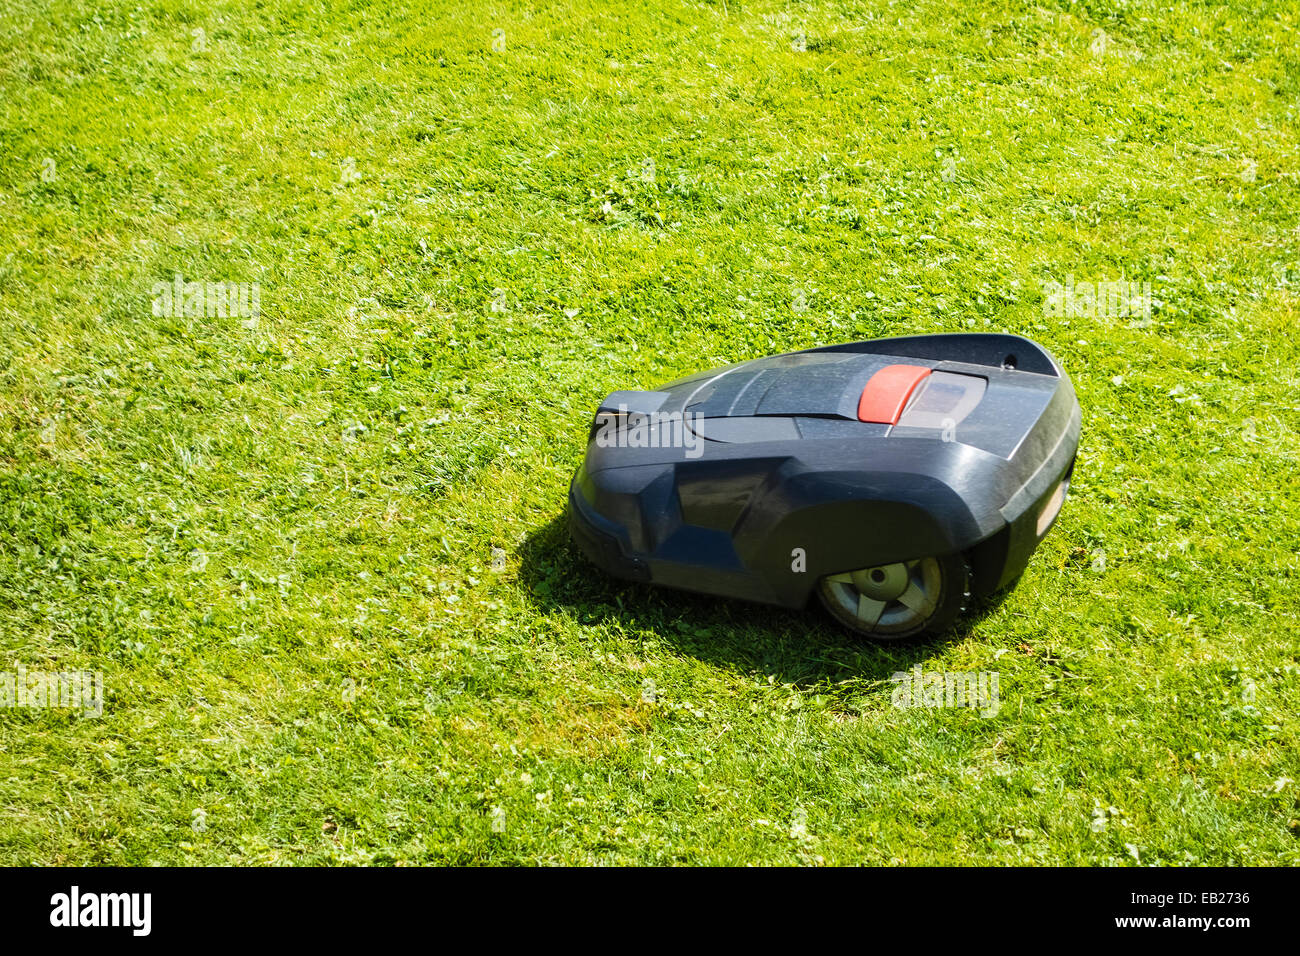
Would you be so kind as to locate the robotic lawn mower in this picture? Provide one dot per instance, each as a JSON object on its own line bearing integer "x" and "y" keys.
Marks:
{"x": 896, "y": 478}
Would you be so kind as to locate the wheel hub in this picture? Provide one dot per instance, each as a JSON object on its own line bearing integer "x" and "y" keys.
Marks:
{"x": 882, "y": 584}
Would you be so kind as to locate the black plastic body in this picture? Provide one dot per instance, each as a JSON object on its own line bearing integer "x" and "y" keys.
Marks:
{"x": 782, "y": 484}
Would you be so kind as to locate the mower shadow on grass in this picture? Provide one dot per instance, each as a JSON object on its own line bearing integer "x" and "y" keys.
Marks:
{"x": 801, "y": 648}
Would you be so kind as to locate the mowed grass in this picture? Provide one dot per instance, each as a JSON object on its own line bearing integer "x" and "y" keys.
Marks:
{"x": 319, "y": 556}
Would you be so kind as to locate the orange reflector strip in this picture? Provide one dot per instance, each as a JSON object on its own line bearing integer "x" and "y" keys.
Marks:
{"x": 886, "y": 393}
{"x": 1051, "y": 510}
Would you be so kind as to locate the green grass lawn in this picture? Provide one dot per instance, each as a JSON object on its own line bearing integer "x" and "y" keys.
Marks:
{"x": 319, "y": 554}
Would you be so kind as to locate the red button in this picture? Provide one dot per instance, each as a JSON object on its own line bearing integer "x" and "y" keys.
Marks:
{"x": 886, "y": 393}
